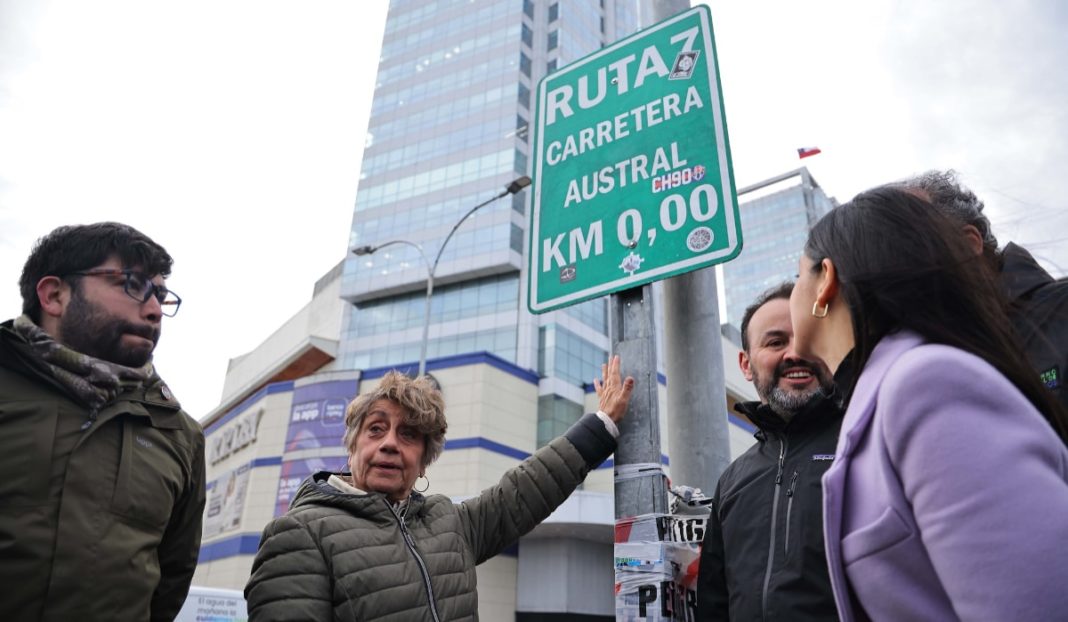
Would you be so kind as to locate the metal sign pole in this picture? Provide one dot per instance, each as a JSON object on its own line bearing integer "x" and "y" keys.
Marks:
{"x": 640, "y": 487}
{"x": 698, "y": 437}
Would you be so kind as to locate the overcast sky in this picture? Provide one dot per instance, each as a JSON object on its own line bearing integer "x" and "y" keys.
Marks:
{"x": 231, "y": 131}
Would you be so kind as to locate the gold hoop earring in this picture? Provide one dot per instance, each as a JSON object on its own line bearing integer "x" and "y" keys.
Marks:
{"x": 425, "y": 488}
{"x": 817, "y": 312}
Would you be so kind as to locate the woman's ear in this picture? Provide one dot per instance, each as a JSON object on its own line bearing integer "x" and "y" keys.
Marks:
{"x": 827, "y": 288}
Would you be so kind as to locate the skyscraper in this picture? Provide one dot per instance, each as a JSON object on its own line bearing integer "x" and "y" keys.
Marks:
{"x": 449, "y": 128}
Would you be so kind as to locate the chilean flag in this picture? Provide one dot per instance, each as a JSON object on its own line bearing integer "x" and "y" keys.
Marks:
{"x": 804, "y": 152}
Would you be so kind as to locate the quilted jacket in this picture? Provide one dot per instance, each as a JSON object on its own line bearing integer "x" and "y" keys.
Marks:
{"x": 341, "y": 556}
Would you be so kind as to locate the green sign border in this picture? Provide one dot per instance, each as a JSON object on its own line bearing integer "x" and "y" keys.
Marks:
{"x": 728, "y": 193}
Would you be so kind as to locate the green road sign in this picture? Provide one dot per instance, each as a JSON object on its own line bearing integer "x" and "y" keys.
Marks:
{"x": 632, "y": 172}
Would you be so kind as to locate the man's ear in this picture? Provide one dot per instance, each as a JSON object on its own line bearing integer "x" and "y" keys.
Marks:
{"x": 743, "y": 364}
{"x": 53, "y": 294}
{"x": 973, "y": 238}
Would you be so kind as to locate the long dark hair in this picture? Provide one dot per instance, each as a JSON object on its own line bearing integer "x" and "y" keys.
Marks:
{"x": 902, "y": 264}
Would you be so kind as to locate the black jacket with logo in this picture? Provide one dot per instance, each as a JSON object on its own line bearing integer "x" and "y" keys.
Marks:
{"x": 763, "y": 556}
{"x": 1039, "y": 314}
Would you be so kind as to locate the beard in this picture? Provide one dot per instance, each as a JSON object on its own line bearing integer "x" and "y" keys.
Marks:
{"x": 788, "y": 402}
{"x": 88, "y": 329}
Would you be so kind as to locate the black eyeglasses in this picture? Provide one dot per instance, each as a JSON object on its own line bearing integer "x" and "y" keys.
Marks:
{"x": 139, "y": 287}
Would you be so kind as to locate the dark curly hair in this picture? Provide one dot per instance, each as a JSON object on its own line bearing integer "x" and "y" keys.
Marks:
{"x": 74, "y": 248}
{"x": 423, "y": 405}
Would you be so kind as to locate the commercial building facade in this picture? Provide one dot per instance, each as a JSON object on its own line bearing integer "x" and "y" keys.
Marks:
{"x": 448, "y": 129}
{"x": 279, "y": 422}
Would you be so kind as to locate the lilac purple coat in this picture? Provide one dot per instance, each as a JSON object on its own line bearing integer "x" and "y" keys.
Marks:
{"x": 948, "y": 496}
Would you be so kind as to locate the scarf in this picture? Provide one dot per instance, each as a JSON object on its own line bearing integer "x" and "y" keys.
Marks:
{"x": 94, "y": 381}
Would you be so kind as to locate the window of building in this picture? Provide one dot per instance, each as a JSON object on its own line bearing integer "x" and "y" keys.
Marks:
{"x": 567, "y": 356}
{"x": 522, "y": 129}
{"x": 551, "y": 66}
{"x": 555, "y": 415}
{"x": 520, "y": 162}
{"x": 527, "y": 35}
{"x": 516, "y": 241}
{"x": 524, "y": 96}
{"x": 528, "y": 8}
{"x": 554, "y": 12}
{"x": 554, "y": 39}
{"x": 524, "y": 64}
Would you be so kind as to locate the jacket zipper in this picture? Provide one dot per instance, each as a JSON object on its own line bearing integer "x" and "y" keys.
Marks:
{"x": 419, "y": 560}
{"x": 789, "y": 507}
{"x": 774, "y": 516}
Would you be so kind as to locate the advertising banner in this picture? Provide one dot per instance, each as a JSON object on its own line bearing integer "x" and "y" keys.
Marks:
{"x": 314, "y": 436}
{"x": 226, "y": 502}
{"x": 317, "y": 418}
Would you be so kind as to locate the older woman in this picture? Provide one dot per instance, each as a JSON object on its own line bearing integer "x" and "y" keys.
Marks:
{"x": 367, "y": 546}
{"x": 948, "y": 496}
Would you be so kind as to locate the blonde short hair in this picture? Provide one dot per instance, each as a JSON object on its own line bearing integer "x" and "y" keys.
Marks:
{"x": 422, "y": 403}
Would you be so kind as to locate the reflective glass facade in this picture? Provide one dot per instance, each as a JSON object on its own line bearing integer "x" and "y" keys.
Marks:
{"x": 776, "y": 216}
{"x": 448, "y": 130}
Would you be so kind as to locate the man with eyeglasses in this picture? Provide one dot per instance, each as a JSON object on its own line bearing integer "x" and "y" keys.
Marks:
{"x": 101, "y": 472}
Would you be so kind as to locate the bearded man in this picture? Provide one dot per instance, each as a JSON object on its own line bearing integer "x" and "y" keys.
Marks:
{"x": 103, "y": 474}
{"x": 763, "y": 557}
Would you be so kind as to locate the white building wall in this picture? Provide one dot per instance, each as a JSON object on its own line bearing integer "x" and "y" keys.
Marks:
{"x": 565, "y": 575}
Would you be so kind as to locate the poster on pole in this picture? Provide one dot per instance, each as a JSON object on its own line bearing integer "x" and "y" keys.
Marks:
{"x": 632, "y": 172}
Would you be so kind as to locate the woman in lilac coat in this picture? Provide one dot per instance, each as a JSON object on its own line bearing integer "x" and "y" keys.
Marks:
{"x": 948, "y": 497}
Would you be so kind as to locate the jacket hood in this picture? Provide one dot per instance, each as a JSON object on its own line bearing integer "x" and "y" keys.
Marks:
{"x": 1020, "y": 273}
{"x": 316, "y": 490}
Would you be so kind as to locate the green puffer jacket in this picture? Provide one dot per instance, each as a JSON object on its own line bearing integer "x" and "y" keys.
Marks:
{"x": 95, "y": 524}
{"x": 337, "y": 556}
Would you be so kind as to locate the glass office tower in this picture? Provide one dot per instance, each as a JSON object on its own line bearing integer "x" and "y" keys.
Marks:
{"x": 776, "y": 215}
{"x": 448, "y": 129}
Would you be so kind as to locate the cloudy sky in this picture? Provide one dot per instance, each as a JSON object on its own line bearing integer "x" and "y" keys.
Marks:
{"x": 231, "y": 131}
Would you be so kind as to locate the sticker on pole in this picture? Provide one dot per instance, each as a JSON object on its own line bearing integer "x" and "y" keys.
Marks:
{"x": 632, "y": 172}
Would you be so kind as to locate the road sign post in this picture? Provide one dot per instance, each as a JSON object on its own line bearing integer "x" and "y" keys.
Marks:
{"x": 632, "y": 184}
{"x": 632, "y": 176}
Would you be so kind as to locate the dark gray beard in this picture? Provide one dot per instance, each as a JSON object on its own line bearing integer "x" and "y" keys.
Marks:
{"x": 786, "y": 404}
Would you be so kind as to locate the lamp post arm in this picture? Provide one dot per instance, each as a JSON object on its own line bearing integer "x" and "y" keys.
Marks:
{"x": 426, "y": 305}
{"x": 417, "y": 247}
{"x": 432, "y": 268}
{"x": 441, "y": 249}
{"x": 367, "y": 250}
{"x": 512, "y": 188}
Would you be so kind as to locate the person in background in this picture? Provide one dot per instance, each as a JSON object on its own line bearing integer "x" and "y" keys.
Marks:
{"x": 366, "y": 545}
{"x": 949, "y": 491}
{"x": 762, "y": 556}
{"x": 1038, "y": 302}
{"x": 102, "y": 491}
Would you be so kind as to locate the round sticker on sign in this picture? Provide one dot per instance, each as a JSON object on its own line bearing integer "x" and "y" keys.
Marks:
{"x": 699, "y": 239}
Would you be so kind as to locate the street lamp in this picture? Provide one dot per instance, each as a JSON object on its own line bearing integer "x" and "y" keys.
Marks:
{"x": 512, "y": 188}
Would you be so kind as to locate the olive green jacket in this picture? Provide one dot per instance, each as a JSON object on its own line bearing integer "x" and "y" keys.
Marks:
{"x": 339, "y": 556}
{"x": 95, "y": 524}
